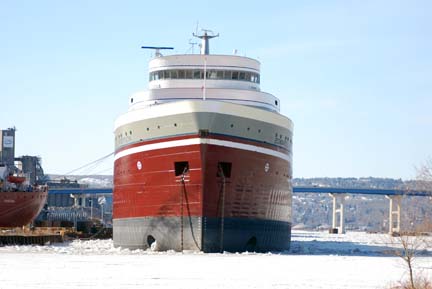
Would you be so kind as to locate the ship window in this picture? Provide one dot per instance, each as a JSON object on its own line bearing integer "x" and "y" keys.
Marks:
{"x": 181, "y": 74}
{"x": 212, "y": 74}
{"x": 181, "y": 168}
{"x": 224, "y": 169}
{"x": 197, "y": 74}
{"x": 227, "y": 75}
{"x": 174, "y": 74}
{"x": 188, "y": 74}
{"x": 276, "y": 102}
{"x": 132, "y": 100}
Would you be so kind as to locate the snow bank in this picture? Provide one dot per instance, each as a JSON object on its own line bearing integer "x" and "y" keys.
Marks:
{"x": 303, "y": 243}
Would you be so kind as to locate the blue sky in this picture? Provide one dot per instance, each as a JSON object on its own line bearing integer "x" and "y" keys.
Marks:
{"x": 354, "y": 76}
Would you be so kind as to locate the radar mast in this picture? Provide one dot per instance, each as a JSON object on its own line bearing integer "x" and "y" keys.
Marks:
{"x": 205, "y": 49}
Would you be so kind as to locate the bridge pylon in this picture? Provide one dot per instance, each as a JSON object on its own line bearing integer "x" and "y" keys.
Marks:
{"x": 394, "y": 213}
{"x": 338, "y": 213}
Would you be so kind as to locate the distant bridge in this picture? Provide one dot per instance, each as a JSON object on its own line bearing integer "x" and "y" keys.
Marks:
{"x": 82, "y": 191}
{"x": 338, "y": 195}
{"x": 317, "y": 190}
{"x": 357, "y": 191}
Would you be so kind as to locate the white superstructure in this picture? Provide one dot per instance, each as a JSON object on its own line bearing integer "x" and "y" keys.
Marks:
{"x": 228, "y": 78}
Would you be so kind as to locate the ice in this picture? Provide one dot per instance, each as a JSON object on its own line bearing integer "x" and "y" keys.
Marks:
{"x": 316, "y": 260}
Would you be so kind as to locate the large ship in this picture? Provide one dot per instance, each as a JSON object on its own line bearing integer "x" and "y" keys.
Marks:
{"x": 22, "y": 197}
{"x": 203, "y": 159}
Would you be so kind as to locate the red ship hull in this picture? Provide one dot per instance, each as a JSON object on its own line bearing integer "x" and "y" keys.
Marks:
{"x": 20, "y": 208}
{"x": 230, "y": 197}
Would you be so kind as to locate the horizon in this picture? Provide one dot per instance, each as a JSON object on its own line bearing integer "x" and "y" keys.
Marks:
{"x": 353, "y": 77}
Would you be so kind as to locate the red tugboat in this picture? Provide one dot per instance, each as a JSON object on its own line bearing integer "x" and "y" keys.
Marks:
{"x": 203, "y": 159}
{"x": 21, "y": 200}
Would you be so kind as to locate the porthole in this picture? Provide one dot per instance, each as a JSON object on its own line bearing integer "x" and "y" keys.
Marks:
{"x": 232, "y": 125}
{"x": 158, "y": 126}
{"x": 148, "y": 129}
{"x": 130, "y": 132}
{"x": 276, "y": 102}
{"x": 132, "y": 100}
{"x": 248, "y": 128}
{"x": 259, "y": 131}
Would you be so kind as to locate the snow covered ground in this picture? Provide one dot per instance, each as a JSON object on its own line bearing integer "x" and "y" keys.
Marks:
{"x": 316, "y": 260}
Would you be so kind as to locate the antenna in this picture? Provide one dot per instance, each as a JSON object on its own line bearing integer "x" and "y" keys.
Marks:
{"x": 192, "y": 46}
{"x": 157, "y": 49}
{"x": 205, "y": 49}
{"x": 196, "y": 27}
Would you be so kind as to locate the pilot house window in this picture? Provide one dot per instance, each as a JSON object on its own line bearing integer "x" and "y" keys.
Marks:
{"x": 199, "y": 74}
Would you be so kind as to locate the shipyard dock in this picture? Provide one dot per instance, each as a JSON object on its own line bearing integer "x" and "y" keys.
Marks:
{"x": 29, "y": 236}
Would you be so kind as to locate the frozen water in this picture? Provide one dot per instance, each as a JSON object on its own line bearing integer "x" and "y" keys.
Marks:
{"x": 316, "y": 260}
